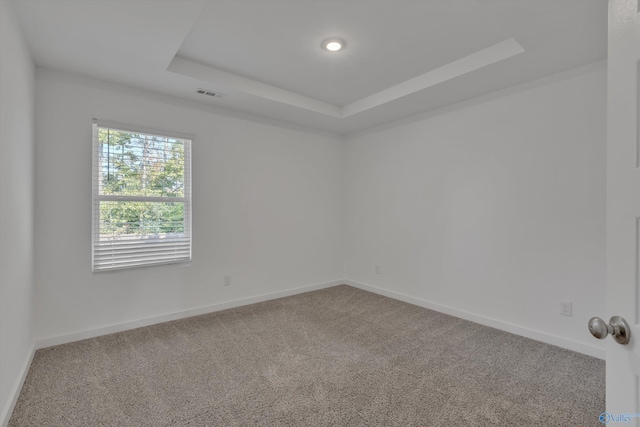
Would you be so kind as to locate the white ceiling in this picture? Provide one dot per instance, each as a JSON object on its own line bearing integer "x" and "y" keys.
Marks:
{"x": 403, "y": 57}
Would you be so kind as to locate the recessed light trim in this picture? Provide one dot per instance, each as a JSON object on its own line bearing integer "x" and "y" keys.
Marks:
{"x": 333, "y": 44}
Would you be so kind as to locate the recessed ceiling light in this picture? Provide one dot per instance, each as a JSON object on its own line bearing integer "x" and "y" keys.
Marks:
{"x": 333, "y": 44}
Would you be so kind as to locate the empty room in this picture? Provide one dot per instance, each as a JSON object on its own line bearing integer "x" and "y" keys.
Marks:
{"x": 319, "y": 213}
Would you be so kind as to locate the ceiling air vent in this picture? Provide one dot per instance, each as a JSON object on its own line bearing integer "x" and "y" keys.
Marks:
{"x": 210, "y": 93}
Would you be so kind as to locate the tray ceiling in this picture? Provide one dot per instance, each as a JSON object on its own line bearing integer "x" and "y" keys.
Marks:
{"x": 403, "y": 57}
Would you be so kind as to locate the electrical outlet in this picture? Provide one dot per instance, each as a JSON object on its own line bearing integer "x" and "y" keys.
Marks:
{"x": 566, "y": 308}
{"x": 227, "y": 280}
{"x": 377, "y": 269}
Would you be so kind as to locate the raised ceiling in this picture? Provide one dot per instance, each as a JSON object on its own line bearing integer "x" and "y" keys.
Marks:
{"x": 403, "y": 57}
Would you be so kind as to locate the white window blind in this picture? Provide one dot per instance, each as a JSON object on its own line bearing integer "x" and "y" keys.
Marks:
{"x": 141, "y": 199}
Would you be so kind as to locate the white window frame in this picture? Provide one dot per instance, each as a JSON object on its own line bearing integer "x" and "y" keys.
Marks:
{"x": 182, "y": 246}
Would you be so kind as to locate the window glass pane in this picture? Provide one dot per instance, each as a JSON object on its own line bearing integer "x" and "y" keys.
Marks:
{"x": 141, "y": 199}
{"x": 126, "y": 220}
{"x": 136, "y": 164}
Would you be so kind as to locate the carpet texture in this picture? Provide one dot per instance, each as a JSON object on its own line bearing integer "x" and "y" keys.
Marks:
{"x": 335, "y": 357}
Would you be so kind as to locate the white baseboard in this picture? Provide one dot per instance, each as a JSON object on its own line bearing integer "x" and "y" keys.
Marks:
{"x": 15, "y": 392}
{"x": 120, "y": 327}
{"x": 473, "y": 317}
{"x": 487, "y": 321}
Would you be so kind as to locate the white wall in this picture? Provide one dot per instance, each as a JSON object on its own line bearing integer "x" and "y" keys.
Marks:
{"x": 493, "y": 211}
{"x": 267, "y": 209}
{"x": 16, "y": 205}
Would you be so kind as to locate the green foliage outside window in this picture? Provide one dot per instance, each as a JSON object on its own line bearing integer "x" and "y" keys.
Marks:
{"x": 133, "y": 164}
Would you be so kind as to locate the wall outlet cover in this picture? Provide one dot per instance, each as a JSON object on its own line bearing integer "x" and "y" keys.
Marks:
{"x": 566, "y": 308}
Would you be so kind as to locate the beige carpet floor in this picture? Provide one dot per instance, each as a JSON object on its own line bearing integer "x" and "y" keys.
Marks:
{"x": 335, "y": 357}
